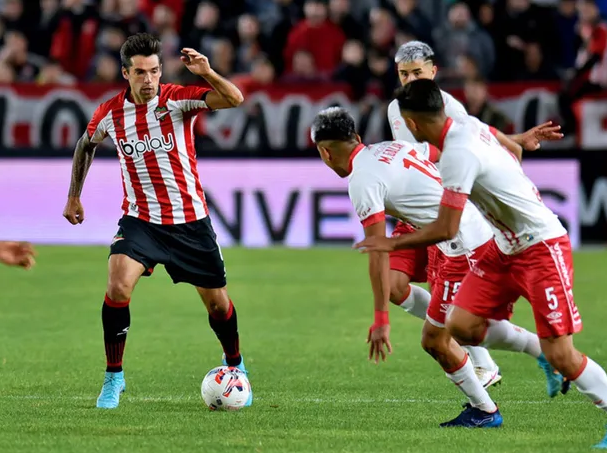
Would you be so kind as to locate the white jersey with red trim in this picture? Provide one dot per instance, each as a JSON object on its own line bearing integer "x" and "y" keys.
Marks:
{"x": 155, "y": 146}
{"x": 396, "y": 178}
{"x": 474, "y": 164}
{"x": 400, "y": 131}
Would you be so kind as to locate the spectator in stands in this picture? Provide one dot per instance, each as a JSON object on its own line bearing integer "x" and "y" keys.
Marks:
{"x": 45, "y": 26}
{"x": 164, "y": 22}
{"x": 251, "y": 43}
{"x": 53, "y": 74}
{"x": 467, "y": 68}
{"x": 7, "y": 73}
{"x": 410, "y": 17}
{"x": 73, "y": 41}
{"x": 535, "y": 67}
{"x": 477, "y": 104}
{"x": 460, "y": 36}
{"x": 148, "y": 8}
{"x": 105, "y": 69}
{"x": 590, "y": 74}
{"x": 13, "y": 17}
{"x": 207, "y": 28}
{"x": 14, "y": 53}
{"x": 261, "y": 75}
{"x": 280, "y": 24}
{"x": 383, "y": 30}
{"x": 317, "y": 36}
{"x": 130, "y": 19}
{"x": 565, "y": 22}
{"x": 517, "y": 23}
{"x": 303, "y": 69}
{"x": 340, "y": 15}
{"x": 383, "y": 78}
{"x": 353, "y": 69}
{"x": 222, "y": 57}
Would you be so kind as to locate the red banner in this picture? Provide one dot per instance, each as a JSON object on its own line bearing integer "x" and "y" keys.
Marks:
{"x": 277, "y": 117}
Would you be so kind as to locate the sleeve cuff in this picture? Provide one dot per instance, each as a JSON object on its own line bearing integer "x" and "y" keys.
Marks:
{"x": 373, "y": 219}
{"x": 454, "y": 200}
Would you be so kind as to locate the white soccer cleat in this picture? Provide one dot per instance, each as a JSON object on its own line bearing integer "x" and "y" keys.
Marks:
{"x": 488, "y": 377}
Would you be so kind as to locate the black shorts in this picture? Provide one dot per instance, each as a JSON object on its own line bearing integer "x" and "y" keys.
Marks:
{"x": 189, "y": 251}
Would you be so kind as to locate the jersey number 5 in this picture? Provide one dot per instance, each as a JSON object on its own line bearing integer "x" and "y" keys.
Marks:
{"x": 414, "y": 160}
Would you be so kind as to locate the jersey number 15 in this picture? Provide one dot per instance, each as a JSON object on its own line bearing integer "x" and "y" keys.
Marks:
{"x": 420, "y": 163}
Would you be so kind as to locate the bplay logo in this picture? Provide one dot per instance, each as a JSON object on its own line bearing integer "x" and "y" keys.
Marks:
{"x": 135, "y": 148}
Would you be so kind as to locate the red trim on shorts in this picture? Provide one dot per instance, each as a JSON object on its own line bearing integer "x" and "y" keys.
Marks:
{"x": 458, "y": 367}
{"x": 454, "y": 200}
{"x": 373, "y": 219}
{"x": 581, "y": 370}
{"x": 116, "y": 304}
{"x": 443, "y": 134}
{"x": 356, "y": 150}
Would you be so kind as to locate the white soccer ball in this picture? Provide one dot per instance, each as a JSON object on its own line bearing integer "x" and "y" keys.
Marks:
{"x": 225, "y": 388}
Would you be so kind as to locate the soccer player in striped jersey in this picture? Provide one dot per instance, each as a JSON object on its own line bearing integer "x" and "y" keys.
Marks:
{"x": 165, "y": 217}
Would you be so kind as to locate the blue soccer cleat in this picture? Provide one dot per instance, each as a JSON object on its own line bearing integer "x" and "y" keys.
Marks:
{"x": 113, "y": 386}
{"x": 602, "y": 445}
{"x": 242, "y": 368}
{"x": 554, "y": 380}
{"x": 473, "y": 417}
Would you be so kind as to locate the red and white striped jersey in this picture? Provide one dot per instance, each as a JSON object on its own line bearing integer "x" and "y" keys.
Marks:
{"x": 155, "y": 145}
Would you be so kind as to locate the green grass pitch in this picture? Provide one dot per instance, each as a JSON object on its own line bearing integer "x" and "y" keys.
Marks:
{"x": 303, "y": 317}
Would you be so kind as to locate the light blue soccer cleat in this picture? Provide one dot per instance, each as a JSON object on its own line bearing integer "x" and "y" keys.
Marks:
{"x": 473, "y": 417}
{"x": 113, "y": 385}
{"x": 242, "y": 368}
{"x": 602, "y": 445}
{"x": 554, "y": 380}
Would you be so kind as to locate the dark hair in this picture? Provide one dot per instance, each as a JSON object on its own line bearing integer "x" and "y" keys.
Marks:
{"x": 420, "y": 96}
{"x": 140, "y": 44}
{"x": 334, "y": 124}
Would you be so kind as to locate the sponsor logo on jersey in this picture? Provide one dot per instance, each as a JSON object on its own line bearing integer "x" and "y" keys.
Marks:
{"x": 136, "y": 148}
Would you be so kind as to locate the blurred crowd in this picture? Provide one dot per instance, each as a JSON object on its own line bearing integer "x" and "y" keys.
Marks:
{"x": 262, "y": 41}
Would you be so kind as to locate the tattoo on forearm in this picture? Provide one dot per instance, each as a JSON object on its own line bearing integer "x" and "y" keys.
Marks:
{"x": 83, "y": 157}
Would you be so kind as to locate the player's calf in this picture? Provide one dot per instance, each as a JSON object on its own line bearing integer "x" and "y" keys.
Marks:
{"x": 413, "y": 299}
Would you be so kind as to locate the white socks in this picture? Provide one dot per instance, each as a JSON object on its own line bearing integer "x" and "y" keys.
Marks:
{"x": 481, "y": 358}
{"x": 417, "y": 302}
{"x": 592, "y": 382}
{"x": 465, "y": 379}
{"x": 506, "y": 336}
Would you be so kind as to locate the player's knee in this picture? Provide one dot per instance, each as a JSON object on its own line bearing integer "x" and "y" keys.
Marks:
{"x": 460, "y": 331}
{"x": 216, "y": 300}
{"x": 119, "y": 290}
{"x": 434, "y": 340}
{"x": 399, "y": 287}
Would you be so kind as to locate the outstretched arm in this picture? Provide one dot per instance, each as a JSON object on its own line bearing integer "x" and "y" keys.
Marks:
{"x": 445, "y": 227}
{"x": 531, "y": 139}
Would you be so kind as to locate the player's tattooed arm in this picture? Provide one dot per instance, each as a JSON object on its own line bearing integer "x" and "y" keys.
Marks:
{"x": 83, "y": 158}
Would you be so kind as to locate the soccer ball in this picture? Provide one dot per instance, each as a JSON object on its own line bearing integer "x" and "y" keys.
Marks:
{"x": 225, "y": 388}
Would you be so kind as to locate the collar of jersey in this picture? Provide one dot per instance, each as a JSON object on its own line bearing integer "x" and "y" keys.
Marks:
{"x": 443, "y": 134}
{"x": 356, "y": 150}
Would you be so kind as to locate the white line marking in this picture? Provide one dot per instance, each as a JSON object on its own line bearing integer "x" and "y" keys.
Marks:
{"x": 184, "y": 398}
